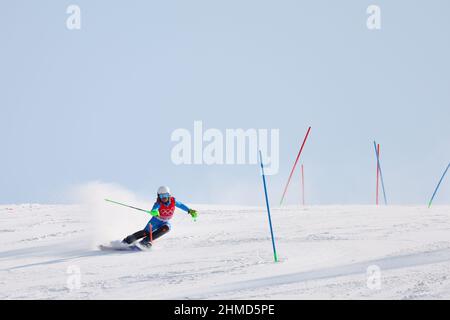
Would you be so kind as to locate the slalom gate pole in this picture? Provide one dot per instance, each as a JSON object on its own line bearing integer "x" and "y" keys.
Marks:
{"x": 439, "y": 184}
{"x": 378, "y": 176}
{"x": 303, "y": 186}
{"x": 151, "y": 233}
{"x": 125, "y": 205}
{"x": 381, "y": 173}
{"x": 295, "y": 164}
{"x": 275, "y": 256}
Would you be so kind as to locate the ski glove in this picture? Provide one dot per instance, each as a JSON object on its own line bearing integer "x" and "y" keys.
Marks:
{"x": 154, "y": 213}
{"x": 193, "y": 213}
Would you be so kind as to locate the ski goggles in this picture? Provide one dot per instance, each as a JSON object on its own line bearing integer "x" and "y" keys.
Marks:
{"x": 164, "y": 196}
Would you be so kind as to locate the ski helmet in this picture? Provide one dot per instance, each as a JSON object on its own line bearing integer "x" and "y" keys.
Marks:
{"x": 163, "y": 190}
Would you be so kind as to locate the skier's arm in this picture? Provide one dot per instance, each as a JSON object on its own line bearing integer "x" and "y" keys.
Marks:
{"x": 182, "y": 206}
{"x": 155, "y": 212}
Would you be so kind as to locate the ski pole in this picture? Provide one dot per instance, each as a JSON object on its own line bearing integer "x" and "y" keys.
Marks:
{"x": 125, "y": 205}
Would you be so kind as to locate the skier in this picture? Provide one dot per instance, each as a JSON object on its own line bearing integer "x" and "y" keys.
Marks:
{"x": 159, "y": 225}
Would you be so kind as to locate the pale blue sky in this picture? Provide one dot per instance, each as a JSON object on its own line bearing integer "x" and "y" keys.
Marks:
{"x": 100, "y": 103}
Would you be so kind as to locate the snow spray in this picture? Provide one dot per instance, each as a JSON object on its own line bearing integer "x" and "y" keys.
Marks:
{"x": 268, "y": 208}
{"x": 106, "y": 221}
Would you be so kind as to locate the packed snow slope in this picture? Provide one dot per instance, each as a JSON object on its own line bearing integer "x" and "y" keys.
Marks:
{"x": 325, "y": 252}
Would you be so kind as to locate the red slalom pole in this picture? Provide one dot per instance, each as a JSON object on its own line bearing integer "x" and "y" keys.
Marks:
{"x": 303, "y": 186}
{"x": 151, "y": 233}
{"x": 295, "y": 164}
{"x": 378, "y": 172}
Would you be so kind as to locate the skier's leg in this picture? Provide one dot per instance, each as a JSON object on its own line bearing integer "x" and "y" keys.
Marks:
{"x": 152, "y": 225}
{"x": 160, "y": 232}
{"x": 135, "y": 236}
{"x": 162, "y": 229}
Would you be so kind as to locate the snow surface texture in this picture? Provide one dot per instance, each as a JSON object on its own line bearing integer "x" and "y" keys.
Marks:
{"x": 325, "y": 252}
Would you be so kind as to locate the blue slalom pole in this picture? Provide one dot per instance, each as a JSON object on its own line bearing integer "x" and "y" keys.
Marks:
{"x": 439, "y": 184}
{"x": 381, "y": 174}
{"x": 275, "y": 256}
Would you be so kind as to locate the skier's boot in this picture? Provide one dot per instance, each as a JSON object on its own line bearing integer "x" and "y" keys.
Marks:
{"x": 146, "y": 243}
{"x": 135, "y": 236}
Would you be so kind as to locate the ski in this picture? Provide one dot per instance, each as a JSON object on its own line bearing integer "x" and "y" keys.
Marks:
{"x": 112, "y": 248}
